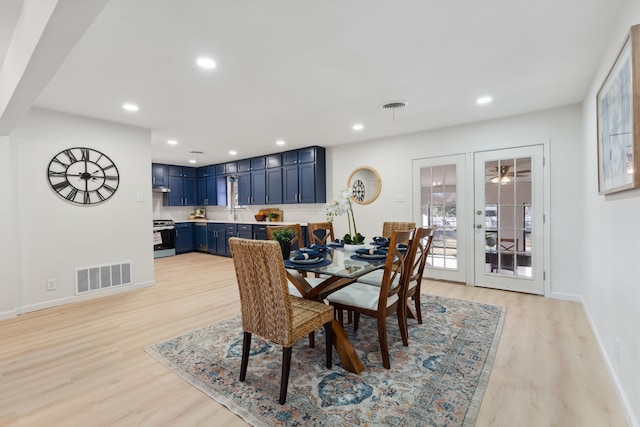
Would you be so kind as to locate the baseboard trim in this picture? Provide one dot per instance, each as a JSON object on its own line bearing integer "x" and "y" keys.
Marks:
{"x": 567, "y": 297}
{"x": 83, "y": 297}
{"x": 626, "y": 405}
{"x": 8, "y": 314}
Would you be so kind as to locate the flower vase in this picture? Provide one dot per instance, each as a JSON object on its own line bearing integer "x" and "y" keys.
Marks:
{"x": 353, "y": 248}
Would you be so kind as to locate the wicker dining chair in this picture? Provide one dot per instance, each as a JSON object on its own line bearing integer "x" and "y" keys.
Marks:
{"x": 320, "y": 232}
{"x": 390, "y": 227}
{"x": 267, "y": 308}
{"x": 297, "y": 242}
{"x": 380, "y": 302}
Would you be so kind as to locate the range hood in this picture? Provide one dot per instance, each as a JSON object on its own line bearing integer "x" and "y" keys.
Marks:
{"x": 160, "y": 189}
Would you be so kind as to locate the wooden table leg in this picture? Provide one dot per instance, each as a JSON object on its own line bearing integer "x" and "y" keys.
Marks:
{"x": 345, "y": 350}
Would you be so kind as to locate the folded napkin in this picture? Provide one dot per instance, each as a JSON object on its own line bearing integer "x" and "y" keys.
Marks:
{"x": 371, "y": 251}
{"x": 319, "y": 248}
{"x": 380, "y": 241}
{"x": 307, "y": 255}
{"x": 338, "y": 242}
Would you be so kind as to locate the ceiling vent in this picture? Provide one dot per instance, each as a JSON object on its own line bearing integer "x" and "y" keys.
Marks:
{"x": 393, "y": 106}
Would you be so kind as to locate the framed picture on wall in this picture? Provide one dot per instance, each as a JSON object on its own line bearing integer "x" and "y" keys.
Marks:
{"x": 618, "y": 106}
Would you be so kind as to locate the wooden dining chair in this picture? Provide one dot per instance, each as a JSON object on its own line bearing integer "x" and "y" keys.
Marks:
{"x": 267, "y": 308}
{"x": 380, "y": 302}
{"x": 297, "y": 242}
{"x": 421, "y": 245}
{"x": 390, "y": 227}
{"x": 320, "y": 232}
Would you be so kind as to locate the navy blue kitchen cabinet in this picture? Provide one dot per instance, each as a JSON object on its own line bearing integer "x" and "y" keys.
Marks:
{"x": 303, "y": 176}
{"x": 183, "y": 186}
{"x": 159, "y": 175}
{"x": 218, "y": 235}
{"x": 184, "y": 237}
{"x": 200, "y": 235}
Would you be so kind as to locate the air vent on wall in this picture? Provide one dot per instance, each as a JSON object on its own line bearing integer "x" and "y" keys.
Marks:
{"x": 89, "y": 279}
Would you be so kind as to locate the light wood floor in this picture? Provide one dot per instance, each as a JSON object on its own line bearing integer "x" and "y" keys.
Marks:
{"x": 83, "y": 364}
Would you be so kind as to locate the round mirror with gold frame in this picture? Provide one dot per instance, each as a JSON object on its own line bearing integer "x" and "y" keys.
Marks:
{"x": 364, "y": 185}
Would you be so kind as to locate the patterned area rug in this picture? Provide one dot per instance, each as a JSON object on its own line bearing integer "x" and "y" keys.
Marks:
{"x": 439, "y": 380}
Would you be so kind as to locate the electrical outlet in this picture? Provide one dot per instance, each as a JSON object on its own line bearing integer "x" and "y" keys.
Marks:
{"x": 51, "y": 284}
{"x": 616, "y": 343}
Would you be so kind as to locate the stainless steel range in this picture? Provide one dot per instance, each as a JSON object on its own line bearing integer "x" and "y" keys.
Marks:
{"x": 164, "y": 238}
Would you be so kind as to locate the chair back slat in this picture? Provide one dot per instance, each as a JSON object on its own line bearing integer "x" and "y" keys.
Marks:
{"x": 320, "y": 232}
{"x": 264, "y": 292}
{"x": 395, "y": 268}
{"x": 422, "y": 239}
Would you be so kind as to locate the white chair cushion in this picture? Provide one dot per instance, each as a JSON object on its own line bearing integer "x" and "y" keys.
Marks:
{"x": 360, "y": 295}
{"x": 375, "y": 278}
{"x": 313, "y": 282}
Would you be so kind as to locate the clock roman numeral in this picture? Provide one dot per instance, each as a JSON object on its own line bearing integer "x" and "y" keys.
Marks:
{"x": 62, "y": 184}
{"x": 111, "y": 177}
{"x": 85, "y": 154}
{"x": 108, "y": 167}
{"x": 72, "y": 194}
{"x": 109, "y": 188}
{"x": 100, "y": 196}
{"x": 87, "y": 198}
{"x": 71, "y": 156}
{"x": 57, "y": 174}
{"x": 60, "y": 162}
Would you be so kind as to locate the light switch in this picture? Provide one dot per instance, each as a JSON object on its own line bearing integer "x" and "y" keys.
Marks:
{"x": 400, "y": 198}
{"x": 140, "y": 197}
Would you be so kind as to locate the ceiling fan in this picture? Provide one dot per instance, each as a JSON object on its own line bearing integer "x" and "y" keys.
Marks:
{"x": 503, "y": 174}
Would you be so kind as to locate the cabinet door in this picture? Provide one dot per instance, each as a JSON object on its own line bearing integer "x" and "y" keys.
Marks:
{"x": 189, "y": 172}
{"x": 221, "y": 191}
{"x": 290, "y": 184}
{"x": 307, "y": 183}
{"x": 244, "y": 188}
{"x": 184, "y": 238}
{"x": 258, "y": 187}
{"x": 175, "y": 170}
{"x": 274, "y": 186}
{"x": 176, "y": 195}
{"x": 212, "y": 193}
{"x": 190, "y": 190}
{"x": 290, "y": 158}
{"x": 159, "y": 175}
{"x": 211, "y": 238}
{"x": 244, "y": 165}
{"x": 307, "y": 155}
{"x": 200, "y": 237}
{"x": 202, "y": 191}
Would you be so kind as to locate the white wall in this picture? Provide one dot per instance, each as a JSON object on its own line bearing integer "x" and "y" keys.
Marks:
{"x": 392, "y": 158}
{"x": 7, "y": 231}
{"x": 611, "y": 288}
{"x": 55, "y": 236}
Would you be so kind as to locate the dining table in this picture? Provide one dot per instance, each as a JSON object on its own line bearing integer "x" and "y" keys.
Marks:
{"x": 338, "y": 268}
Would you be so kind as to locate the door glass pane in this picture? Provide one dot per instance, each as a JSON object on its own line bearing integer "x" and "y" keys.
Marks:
{"x": 439, "y": 210}
{"x": 508, "y": 217}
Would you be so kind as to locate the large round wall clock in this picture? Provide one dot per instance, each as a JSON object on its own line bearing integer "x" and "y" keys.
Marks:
{"x": 83, "y": 175}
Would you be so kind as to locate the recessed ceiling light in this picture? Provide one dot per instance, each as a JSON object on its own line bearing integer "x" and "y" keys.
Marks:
{"x": 484, "y": 100}
{"x": 233, "y": 153}
{"x": 130, "y": 107}
{"x": 358, "y": 126}
{"x": 280, "y": 142}
{"x": 207, "y": 63}
{"x": 192, "y": 161}
{"x": 172, "y": 142}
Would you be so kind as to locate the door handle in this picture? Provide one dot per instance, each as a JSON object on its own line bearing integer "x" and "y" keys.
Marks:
{"x": 479, "y": 226}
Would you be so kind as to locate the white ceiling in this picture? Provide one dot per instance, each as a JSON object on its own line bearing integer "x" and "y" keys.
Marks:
{"x": 306, "y": 71}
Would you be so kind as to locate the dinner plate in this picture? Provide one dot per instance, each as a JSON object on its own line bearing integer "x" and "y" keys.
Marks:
{"x": 372, "y": 256}
{"x": 306, "y": 261}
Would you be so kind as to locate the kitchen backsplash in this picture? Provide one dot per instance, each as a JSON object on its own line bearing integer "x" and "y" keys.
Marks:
{"x": 312, "y": 212}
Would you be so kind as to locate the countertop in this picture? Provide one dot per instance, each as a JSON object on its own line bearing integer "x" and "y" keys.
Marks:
{"x": 223, "y": 221}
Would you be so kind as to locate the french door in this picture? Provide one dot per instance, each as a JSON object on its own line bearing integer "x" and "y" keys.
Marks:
{"x": 487, "y": 211}
{"x": 440, "y": 201}
{"x": 508, "y": 219}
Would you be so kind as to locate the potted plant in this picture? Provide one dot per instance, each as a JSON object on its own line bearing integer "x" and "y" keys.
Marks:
{"x": 272, "y": 216}
{"x": 284, "y": 236}
{"x": 340, "y": 206}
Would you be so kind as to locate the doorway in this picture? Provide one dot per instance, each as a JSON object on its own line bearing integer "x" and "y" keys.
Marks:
{"x": 498, "y": 241}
